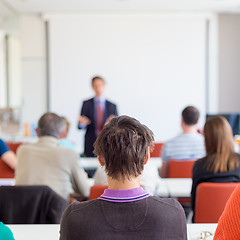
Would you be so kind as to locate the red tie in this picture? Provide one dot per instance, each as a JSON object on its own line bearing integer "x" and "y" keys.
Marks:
{"x": 100, "y": 115}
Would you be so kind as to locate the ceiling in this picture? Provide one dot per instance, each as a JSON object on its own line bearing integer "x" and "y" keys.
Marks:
{"x": 48, "y": 6}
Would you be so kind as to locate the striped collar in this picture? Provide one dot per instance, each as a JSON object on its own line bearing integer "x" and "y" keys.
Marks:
{"x": 114, "y": 195}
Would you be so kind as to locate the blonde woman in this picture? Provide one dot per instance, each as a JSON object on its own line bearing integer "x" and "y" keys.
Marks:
{"x": 221, "y": 163}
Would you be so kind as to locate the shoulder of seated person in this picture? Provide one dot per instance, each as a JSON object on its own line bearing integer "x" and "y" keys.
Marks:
{"x": 166, "y": 202}
{"x": 199, "y": 163}
{"x": 176, "y": 138}
{"x": 25, "y": 146}
{"x": 67, "y": 150}
{"x": 78, "y": 206}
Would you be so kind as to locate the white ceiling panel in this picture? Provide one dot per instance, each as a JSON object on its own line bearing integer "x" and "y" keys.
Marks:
{"x": 43, "y": 6}
{"x": 6, "y": 10}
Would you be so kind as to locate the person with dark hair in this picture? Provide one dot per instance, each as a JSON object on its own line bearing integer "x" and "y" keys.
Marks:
{"x": 48, "y": 163}
{"x": 189, "y": 145}
{"x": 124, "y": 211}
{"x": 95, "y": 113}
{"x": 221, "y": 164}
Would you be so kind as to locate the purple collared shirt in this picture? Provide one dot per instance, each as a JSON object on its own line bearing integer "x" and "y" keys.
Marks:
{"x": 131, "y": 195}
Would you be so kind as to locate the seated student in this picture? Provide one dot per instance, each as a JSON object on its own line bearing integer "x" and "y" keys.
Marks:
{"x": 221, "y": 163}
{"x": 64, "y": 142}
{"x": 229, "y": 225}
{"x": 7, "y": 155}
{"x": 189, "y": 145}
{"x": 48, "y": 163}
{"x": 125, "y": 210}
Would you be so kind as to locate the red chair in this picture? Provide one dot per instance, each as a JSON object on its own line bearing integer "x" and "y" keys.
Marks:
{"x": 180, "y": 169}
{"x": 157, "y": 150}
{"x": 13, "y": 146}
{"x": 5, "y": 170}
{"x": 96, "y": 191}
{"x": 211, "y": 199}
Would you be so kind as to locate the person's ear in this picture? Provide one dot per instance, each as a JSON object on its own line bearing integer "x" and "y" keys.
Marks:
{"x": 148, "y": 156}
{"x": 182, "y": 122}
{"x": 64, "y": 133}
{"x": 100, "y": 160}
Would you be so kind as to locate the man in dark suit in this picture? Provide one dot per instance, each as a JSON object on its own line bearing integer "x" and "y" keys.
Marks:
{"x": 95, "y": 113}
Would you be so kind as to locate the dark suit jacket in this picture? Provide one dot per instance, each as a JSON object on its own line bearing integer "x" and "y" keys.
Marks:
{"x": 88, "y": 110}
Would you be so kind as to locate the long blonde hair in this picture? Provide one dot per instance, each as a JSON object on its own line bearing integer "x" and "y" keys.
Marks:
{"x": 219, "y": 145}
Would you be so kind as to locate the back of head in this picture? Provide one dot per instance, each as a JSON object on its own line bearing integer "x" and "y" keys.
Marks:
{"x": 219, "y": 145}
{"x": 50, "y": 124}
{"x": 190, "y": 115}
{"x": 123, "y": 145}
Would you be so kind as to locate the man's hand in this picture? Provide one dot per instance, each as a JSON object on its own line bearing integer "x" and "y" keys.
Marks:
{"x": 84, "y": 120}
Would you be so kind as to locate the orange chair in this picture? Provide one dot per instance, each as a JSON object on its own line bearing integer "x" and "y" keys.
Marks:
{"x": 96, "y": 191}
{"x": 157, "y": 150}
{"x": 5, "y": 170}
{"x": 211, "y": 199}
{"x": 180, "y": 169}
{"x": 13, "y": 146}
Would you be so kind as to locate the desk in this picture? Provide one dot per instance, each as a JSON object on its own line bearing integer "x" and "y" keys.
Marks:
{"x": 178, "y": 187}
{"x": 35, "y": 231}
{"x": 89, "y": 163}
{"x": 92, "y": 163}
{"x": 167, "y": 187}
{"x": 51, "y": 231}
{"x": 195, "y": 230}
{"x": 11, "y": 182}
{"x": 7, "y": 181}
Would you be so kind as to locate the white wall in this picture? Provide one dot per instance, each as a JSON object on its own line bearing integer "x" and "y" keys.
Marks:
{"x": 3, "y": 82}
{"x": 154, "y": 65}
{"x": 32, "y": 33}
{"x": 14, "y": 71}
{"x": 229, "y": 63}
{"x": 32, "y": 36}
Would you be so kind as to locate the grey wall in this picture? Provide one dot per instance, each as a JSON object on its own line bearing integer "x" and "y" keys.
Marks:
{"x": 229, "y": 62}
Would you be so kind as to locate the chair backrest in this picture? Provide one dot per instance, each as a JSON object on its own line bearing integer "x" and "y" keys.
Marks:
{"x": 30, "y": 205}
{"x": 211, "y": 199}
{"x": 5, "y": 170}
{"x": 157, "y": 151}
{"x": 180, "y": 169}
{"x": 96, "y": 191}
{"x": 13, "y": 146}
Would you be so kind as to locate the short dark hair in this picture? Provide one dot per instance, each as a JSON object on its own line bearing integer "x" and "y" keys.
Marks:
{"x": 97, "y": 77}
{"x": 50, "y": 124}
{"x": 123, "y": 144}
{"x": 190, "y": 115}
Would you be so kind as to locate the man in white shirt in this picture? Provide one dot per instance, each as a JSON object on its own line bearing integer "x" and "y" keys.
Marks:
{"x": 189, "y": 145}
